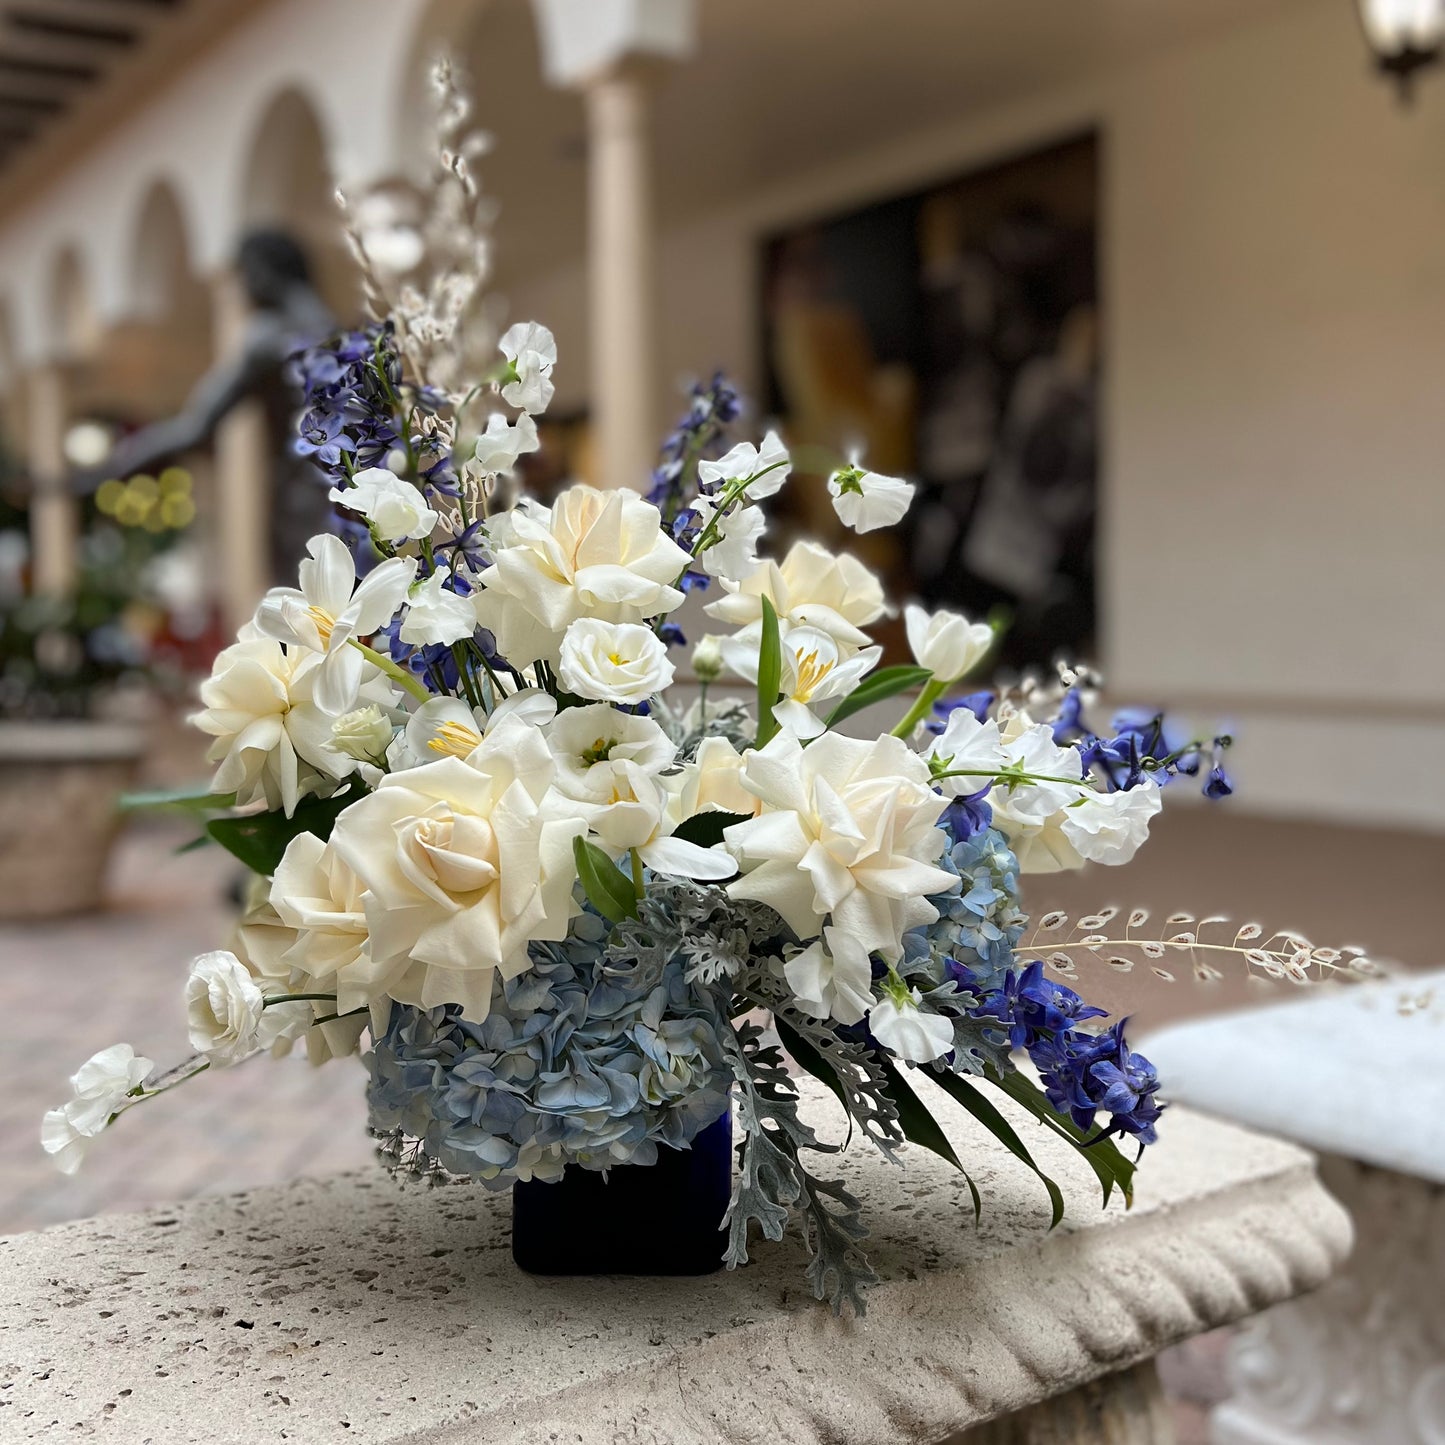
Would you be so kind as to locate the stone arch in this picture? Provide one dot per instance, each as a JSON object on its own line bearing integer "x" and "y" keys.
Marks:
{"x": 159, "y": 266}
{"x": 71, "y": 318}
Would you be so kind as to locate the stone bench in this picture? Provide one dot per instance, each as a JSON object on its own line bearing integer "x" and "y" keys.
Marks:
{"x": 1358, "y": 1075}
{"x": 353, "y": 1309}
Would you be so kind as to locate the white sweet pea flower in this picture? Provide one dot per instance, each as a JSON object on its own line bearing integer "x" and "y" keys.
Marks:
{"x": 531, "y": 353}
{"x": 394, "y": 508}
{"x": 734, "y": 554}
{"x": 226, "y": 1014}
{"x": 905, "y": 1030}
{"x": 590, "y": 745}
{"x": 710, "y": 783}
{"x": 770, "y": 464}
{"x": 498, "y": 447}
{"x": 435, "y": 614}
{"x": 810, "y": 588}
{"x": 848, "y": 829}
{"x": 1109, "y": 827}
{"x": 100, "y": 1087}
{"x": 331, "y": 608}
{"x": 867, "y": 500}
{"x": 620, "y": 662}
{"x": 832, "y": 978}
{"x": 947, "y": 644}
{"x": 598, "y": 554}
{"x": 635, "y": 819}
{"x": 816, "y": 671}
{"x": 970, "y": 747}
{"x": 463, "y": 865}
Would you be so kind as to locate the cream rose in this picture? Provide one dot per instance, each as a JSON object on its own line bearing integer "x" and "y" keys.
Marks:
{"x": 621, "y": 662}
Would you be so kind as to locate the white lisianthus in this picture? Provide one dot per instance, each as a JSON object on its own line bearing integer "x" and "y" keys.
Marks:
{"x": 435, "y": 614}
{"x": 531, "y": 353}
{"x": 866, "y": 500}
{"x": 815, "y": 671}
{"x": 707, "y": 659}
{"x": 330, "y": 609}
{"x": 636, "y": 819}
{"x": 394, "y": 508}
{"x": 947, "y": 644}
{"x": 770, "y": 464}
{"x": 832, "y": 977}
{"x": 620, "y": 662}
{"x": 970, "y": 747}
{"x": 598, "y": 554}
{"x": 226, "y": 1013}
{"x": 810, "y": 588}
{"x": 710, "y": 783}
{"x": 463, "y": 864}
{"x": 905, "y": 1030}
{"x": 498, "y": 447}
{"x": 364, "y": 734}
{"x": 848, "y": 830}
{"x": 100, "y": 1087}
{"x": 590, "y": 745}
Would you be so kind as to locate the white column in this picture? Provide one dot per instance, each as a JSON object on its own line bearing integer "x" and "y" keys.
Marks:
{"x": 242, "y": 477}
{"x": 621, "y": 282}
{"x": 54, "y": 512}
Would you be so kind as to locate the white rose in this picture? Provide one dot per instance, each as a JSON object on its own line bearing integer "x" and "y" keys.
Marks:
{"x": 906, "y": 1031}
{"x": 621, "y": 662}
{"x": 866, "y": 501}
{"x": 948, "y": 645}
{"x": 463, "y": 865}
{"x": 100, "y": 1087}
{"x": 226, "y": 1012}
{"x": 969, "y": 747}
{"x": 498, "y": 447}
{"x": 595, "y": 554}
{"x": 531, "y": 353}
{"x": 832, "y": 977}
{"x": 848, "y": 830}
{"x": 395, "y": 509}
{"x": 591, "y": 743}
{"x": 436, "y": 615}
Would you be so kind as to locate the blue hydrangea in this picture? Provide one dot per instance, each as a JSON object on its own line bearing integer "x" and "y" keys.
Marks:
{"x": 587, "y": 1058}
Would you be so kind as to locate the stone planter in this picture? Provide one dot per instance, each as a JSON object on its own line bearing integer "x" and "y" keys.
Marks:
{"x": 59, "y": 784}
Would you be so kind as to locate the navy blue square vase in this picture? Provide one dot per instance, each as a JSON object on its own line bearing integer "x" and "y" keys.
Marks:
{"x": 642, "y": 1219}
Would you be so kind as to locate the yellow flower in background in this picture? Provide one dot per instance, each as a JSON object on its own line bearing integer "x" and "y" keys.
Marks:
{"x": 159, "y": 504}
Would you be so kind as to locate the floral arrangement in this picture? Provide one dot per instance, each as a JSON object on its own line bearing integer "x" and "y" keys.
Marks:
{"x": 567, "y": 913}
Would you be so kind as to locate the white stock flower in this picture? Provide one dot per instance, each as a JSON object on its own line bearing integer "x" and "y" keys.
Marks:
{"x": 590, "y": 745}
{"x": 498, "y": 447}
{"x": 226, "y": 1015}
{"x": 848, "y": 830}
{"x": 621, "y": 662}
{"x": 832, "y": 977}
{"x": 970, "y": 747}
{"x": 599, "y": 554}
{"x": 947, "y": 644}
{"x": 435, "y": 614}
{"x": 395, "y": 509}
{"x": 815, "y": 671}
{"x": 636, "y": 818}
{"x": 906, "y": 1031}
{"x": 331, "y": 608}
{"x": 866, "y": 500}
{"x": 770, "y": 463}
{"x": 532, "y": 352}
{"x": 810, "y": 588}
{"x": 463, "y": 865}
{"x": 100, "y": 1087}
{"x": 710, "y": 783}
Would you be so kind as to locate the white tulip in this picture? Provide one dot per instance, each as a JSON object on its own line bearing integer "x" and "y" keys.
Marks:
{"x": 832, "y": 977}
{"x": 532, "y": 353}
{"x": 394, "y": 508}
{"x": 710, "y": 783}
{"x": 598, "y": 554}
{"x": 815, "y": 671}
{"x": 447, "y": 726}
{"x": 620, "y": 662}
{"x": 498, "y": 447}
{"x": 436, "y": 615}
{"x": 636, "y": 819}
{"x": 906, "y": 1031}
{"x": 770, "y": 464}
{"x": 591, "y": 743}
{"x": 330, "y": 609}
{"x": 100, "y": 1088}
{"x": 226, "y": 1013}
{"x": 970, "y": 747}
{"x": 866, "y": 501}
{"x": 947, "y": 644}
{"x": 848, "y": 830}
{"x": 707, "y": 659}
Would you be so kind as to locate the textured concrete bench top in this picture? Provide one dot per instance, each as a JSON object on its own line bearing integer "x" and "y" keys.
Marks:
{"x": 352, "y": 1309}
{"x": 1357, "y": 1071}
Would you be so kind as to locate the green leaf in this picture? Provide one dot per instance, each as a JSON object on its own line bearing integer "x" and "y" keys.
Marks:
{"x": 259, "y": 839}
{"x": 988, "y": 1115}
{"x": 770, "y": 674}
{"x": 608, "y": 888}
{"x": 1104, "y": 1156}
{"x": 885, "y": 683}
{"x": 201, "y": 840}
{"x": 921, "y": 1128}
{"x": 706, "y": 829}
{"x": 193, "y": 796}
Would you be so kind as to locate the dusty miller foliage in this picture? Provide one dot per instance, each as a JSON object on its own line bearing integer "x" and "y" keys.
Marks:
{"x": 730, "y": 719}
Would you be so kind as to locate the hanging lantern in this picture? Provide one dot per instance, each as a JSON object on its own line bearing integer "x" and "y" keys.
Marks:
{"x": 1405, "y": 35}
